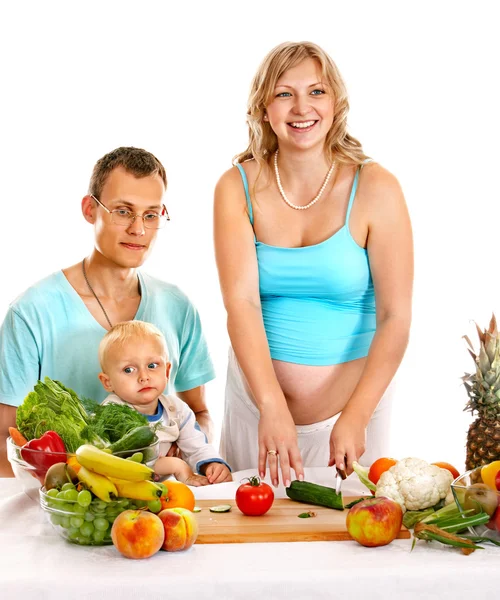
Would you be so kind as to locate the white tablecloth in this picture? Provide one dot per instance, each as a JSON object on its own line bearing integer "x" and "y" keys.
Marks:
{"x": 36, "y": 563}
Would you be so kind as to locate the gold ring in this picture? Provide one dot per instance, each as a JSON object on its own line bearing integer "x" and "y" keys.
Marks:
{"x": 272, "y": 452}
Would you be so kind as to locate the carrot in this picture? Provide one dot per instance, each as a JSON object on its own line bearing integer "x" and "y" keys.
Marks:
{"x": 17, "y": 437}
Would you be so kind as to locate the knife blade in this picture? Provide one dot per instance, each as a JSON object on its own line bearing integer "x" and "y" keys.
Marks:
{"x": 339, "y": 478}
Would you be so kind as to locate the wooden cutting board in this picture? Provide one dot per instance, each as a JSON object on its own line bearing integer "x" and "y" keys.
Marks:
{"x": 280, "y": 524}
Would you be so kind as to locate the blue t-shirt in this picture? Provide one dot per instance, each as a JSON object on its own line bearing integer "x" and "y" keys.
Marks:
{"x": 48, "y": 331}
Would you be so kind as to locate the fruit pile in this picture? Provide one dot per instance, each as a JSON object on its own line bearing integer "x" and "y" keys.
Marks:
{"x": 84, "y": 498}
{"x": 101, "y": 499}
{"x": 481, "y": 492}
{"x": 81, "y": 517}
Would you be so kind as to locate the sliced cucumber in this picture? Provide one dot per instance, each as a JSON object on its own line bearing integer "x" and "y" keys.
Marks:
{"x": 220, "y": 508}
{"x": 196, "y": 509}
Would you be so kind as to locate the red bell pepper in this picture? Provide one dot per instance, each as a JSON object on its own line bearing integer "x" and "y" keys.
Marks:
{"x": 43, "y": 452}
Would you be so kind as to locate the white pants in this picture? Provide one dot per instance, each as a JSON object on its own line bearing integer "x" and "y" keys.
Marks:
{"x": 239, "y": 437}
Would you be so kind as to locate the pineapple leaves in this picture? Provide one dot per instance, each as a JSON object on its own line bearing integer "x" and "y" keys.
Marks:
{"x": 467, "y": 339}
{"x": 483, "y": 386}
{"x": 479, "y": 333}
{"x": 484, "y": 361}
{"x": 493, "y": 326}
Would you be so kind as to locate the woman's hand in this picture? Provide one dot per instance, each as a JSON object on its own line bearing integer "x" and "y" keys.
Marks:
{"x": 278, "y": 438}
{"x": 347, "y": 442}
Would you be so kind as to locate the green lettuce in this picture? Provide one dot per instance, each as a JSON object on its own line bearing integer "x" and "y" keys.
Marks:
{"x": 51, "y": 406}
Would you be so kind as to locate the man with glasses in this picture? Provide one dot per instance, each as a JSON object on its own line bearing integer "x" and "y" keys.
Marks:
{"x": 55, "y": 327}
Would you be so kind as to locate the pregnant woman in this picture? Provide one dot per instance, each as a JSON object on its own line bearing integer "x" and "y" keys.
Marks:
{"x": 314, "y": 250}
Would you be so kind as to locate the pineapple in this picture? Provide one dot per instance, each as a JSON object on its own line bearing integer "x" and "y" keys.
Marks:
{"x": 483, "y": 389}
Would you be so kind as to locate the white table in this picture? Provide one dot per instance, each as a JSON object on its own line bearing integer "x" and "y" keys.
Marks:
{"x": 38, "y": 564}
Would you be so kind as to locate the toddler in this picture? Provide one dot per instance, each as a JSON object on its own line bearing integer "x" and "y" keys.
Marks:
{"x": 135, "y": 370}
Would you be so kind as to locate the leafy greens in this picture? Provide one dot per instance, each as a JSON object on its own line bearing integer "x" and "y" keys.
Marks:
{"x": 51, "y": 406}
{"x": 113, "y": 421}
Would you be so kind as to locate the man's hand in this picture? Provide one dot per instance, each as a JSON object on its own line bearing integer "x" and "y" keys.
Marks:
{"x": 206, "y": 424}
{"x": 7, "y": 419}
{"x": 195, "y": 399}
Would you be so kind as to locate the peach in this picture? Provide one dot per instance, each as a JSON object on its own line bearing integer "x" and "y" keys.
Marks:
{"x": 137, "y": 533}
{"x": 181, "y": 529}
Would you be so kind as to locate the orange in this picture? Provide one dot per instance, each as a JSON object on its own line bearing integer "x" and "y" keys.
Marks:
{"x": 179, "y": 496}
{"x": 447, "y": 466}
{"x": 73, "y": 462}
{"x": 380, "y": 466}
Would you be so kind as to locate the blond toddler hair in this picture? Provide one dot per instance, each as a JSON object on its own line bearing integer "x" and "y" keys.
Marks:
{"x": 123, "y": 332}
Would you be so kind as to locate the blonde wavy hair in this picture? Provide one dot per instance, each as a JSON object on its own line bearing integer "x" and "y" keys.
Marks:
{"x": 123, "y": 332}
{"x": 339, "y": 144}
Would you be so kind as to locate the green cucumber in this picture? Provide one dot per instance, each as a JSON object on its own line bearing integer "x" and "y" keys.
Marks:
{"x": 220, "y": 508}
{"x": 139, "y": 437}
{"x": 354, "y": 502}
{"x": 312, "y": 493}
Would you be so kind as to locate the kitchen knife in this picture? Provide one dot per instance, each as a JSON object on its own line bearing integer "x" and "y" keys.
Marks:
{"x": 340, "y": 476}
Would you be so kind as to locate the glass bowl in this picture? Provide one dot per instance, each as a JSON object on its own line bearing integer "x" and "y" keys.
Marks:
{"x": 32, "y": 478}
{"x": 470, "y": 492}
{"x": 85, "y": 525}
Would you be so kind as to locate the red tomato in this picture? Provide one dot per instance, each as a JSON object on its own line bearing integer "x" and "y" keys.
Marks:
{"x": 448, "y": 467}
{"x": 255, "y": 497}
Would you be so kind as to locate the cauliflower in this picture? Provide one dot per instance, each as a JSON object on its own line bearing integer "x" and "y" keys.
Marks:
{"x": 414, "y": 484}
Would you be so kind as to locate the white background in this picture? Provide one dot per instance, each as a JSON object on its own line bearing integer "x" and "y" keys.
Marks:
{"x": 79, "y": 79}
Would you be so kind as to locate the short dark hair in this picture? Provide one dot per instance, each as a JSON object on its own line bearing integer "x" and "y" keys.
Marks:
{"x": 136, "y": 161}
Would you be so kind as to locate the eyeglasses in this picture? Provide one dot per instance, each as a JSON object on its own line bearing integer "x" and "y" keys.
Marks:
{"x": 125, "y": 217}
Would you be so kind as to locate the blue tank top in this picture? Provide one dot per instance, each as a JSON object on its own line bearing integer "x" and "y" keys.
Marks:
{"x": 318, "y": 302}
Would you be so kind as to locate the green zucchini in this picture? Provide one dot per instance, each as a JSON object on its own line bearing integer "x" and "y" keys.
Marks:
{"x": 312, "y": 493}
{"x": 139, "y": 437}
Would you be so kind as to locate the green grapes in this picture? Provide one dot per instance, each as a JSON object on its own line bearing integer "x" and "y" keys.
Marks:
{"x": 84, "y": 498}
{"x": 101, "y": 524}
{"x": 84, "y": 518}
{"x": 87, "y": 529}
{"x": 154, "y": 505}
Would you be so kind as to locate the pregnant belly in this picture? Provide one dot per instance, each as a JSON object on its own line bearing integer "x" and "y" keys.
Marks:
{"x": 316, "y": 393}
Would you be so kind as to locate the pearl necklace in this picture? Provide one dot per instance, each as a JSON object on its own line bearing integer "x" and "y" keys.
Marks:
{"x": 282, "y": 191}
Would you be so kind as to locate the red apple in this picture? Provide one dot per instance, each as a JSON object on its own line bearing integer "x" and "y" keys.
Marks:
{"x": 494, "y": 522}
{"x": 375, "y": 521}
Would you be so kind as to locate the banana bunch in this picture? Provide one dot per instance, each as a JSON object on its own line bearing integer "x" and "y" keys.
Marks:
{"x": 99, "y": 485}
{"x": 109, "y": 477}
{"x": 137, "y": 490}
{"x": 101, "y": 462}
